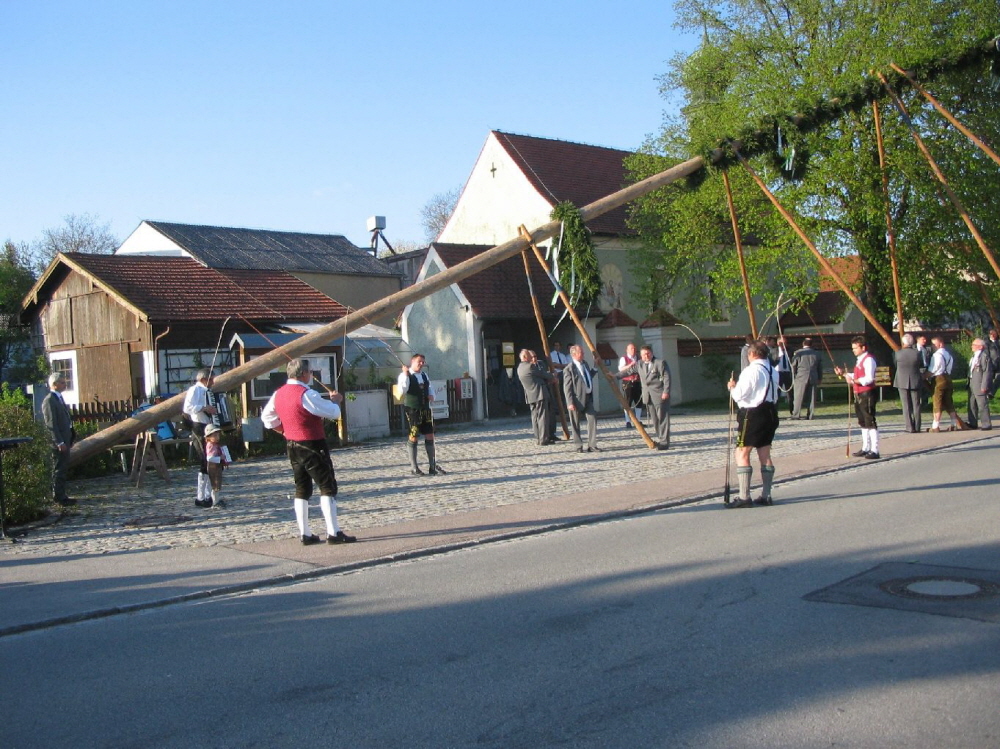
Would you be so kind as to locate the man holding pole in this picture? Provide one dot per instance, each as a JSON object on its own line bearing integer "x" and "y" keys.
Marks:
{"x": 535, "y": 380}
{"x": 578, "y": 387}
{"x": 756, "y": 394}
{"x": 654, "y": 376}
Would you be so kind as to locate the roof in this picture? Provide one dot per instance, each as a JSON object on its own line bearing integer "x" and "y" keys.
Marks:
{"x": 501, "y": 291}
{"x": 606, "y": 351}
{"x": 179, "y": 289}
{"x": 261, "y": 249}
{"x": 560, "y": 170}
{"x": 827, "y": 308}
{"x": 616, "y": 319}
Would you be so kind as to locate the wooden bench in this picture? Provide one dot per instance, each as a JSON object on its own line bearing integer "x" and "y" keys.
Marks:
{"x": 883, "y": 379}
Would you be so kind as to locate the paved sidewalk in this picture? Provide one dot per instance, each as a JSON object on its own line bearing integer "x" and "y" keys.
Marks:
{"x": 125, "y": 548}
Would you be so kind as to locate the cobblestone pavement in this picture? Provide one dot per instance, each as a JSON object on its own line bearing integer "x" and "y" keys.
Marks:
{"x": 488, "y": 465}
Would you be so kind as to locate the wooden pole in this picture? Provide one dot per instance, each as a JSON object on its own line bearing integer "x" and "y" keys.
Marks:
{"x": 888, "y": 217}
{"x": 822, "y": 260}
{"x": 739, "y": 252}
{"x": 125, "y": 430}
{"x": 553, "y": 387}
{"x": 948, "y": 115}
{"x": 955, "y": 200}
{"x": 590, "y": 343}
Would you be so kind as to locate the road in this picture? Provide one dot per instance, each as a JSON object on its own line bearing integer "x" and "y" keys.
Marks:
{"x": 687, "y": 627}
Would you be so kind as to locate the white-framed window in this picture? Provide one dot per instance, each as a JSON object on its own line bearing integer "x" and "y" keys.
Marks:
{"x": 64, "y": 362}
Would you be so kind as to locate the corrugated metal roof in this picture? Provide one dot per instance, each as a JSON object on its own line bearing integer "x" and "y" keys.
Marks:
{"x": 261, "y": 249}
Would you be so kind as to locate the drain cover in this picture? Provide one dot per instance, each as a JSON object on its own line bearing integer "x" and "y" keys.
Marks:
{"x": 925, "y": 588}
{"x": 154, "y": 521}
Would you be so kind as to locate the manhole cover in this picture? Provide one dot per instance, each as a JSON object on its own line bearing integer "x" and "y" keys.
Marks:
{"x": 941, "y": 588}
{"x": 924, "y": 588}
{"x": 153, "y": 521}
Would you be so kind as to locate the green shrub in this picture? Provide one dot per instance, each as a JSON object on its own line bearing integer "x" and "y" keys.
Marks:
{"x": 27, "y": 468}
{"x": 101, "y": 464}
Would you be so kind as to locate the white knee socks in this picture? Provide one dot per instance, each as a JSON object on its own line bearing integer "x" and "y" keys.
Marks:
{"x": 329, "y": 507}
{"x": 302, "y": 516}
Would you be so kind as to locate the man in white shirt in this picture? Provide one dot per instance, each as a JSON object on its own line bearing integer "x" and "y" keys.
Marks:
{"x": 297, "y": 411}
{"x": 199, "y": 413}
{"x": 756, "y": 394}
{"x": 942, "y": 362}
{"x": 418, "y": 394}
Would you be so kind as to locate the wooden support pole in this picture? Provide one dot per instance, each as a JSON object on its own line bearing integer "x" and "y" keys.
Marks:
{"x": 589, "y": 341}
{"x": 553, "y": 386}
{"x": 125, "y": 430}
{"x": 819, "y": 257}
{"x": 739, "y": 253}
{"x": 955, "y": 200}
{"x": 948, "y": 115}
{"x": 891, "y": 233}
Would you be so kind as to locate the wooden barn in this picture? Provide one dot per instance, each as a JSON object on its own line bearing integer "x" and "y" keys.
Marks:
{"x": 134, "y": 326}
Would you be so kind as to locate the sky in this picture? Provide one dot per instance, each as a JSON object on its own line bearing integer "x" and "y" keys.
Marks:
{"x": 303, "y": 115}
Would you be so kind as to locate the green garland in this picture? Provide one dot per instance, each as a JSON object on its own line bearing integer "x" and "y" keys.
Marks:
{"x": 579, "y": 274}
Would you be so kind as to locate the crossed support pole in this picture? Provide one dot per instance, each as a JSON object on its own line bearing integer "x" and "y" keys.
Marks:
{"x": 586, "y": 338}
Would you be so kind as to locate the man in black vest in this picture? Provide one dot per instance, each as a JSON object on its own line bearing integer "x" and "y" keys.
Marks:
{"x": 418, "y": 394}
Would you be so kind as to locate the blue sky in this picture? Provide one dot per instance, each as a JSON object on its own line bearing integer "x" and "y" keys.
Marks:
{"x": 302, "y": 115}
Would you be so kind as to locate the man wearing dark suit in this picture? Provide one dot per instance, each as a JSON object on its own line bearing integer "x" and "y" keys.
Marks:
{"x": 535, "y": 381}
{"x": 909, "y": 381}
{"x": 654, "y": 375}
{"x": 980, "y": 382}
{"x": 992, "y": 349}
{"x": 578, "y": 387}
{"x": 57, "y": 421}
{"x": 807, "y": 371}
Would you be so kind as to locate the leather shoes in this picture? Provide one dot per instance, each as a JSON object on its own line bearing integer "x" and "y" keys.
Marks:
{"x": 860, "y": 454}
{"x": 662, "y": 446}
{"x": 203, "y": 503}
{"x": 417, "y": 472}
{"x": 437, "y": 471}
{"x": 594, "y": 450}
{"x": 738, "y": 503}
{"x": 763, "y": 501}
{"x": 310, "y": 540}
{"x": 873, "y": 456}
{"x": 341, "y": 538}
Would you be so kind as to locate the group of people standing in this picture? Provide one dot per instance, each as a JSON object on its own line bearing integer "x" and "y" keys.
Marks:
{"x": 644, "y": 381}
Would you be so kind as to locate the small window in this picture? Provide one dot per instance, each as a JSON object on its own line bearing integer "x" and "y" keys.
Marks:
{"x": 65, "y": 368}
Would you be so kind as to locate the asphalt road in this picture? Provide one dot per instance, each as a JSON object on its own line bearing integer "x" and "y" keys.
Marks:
{"x": 683, "y": 628}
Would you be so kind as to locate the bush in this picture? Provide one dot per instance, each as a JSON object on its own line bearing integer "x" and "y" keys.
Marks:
{"x": 102, "y": 464}
{"x": 27, "y": 469}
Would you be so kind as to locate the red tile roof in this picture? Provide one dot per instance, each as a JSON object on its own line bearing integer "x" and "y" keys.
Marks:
{"x": 616, "y": 319}
{"x": 174, "y": 288}
{"x": 501, "y": 292}
{"x": 576, "y": 172}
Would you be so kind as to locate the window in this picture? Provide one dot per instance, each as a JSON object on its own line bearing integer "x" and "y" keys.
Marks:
{"x": 65, "y": 368}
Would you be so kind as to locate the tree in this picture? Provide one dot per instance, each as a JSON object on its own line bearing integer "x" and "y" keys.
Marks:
{"x": 435, "y": 214}
{"x": 80, "y": 233}
{"x": 763, "y": 60}
{"x": 17, "y": 361}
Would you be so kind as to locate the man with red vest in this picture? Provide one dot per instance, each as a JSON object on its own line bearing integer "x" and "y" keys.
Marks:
{"x": 297, "y": 411}
{"x": 862, "y": 379}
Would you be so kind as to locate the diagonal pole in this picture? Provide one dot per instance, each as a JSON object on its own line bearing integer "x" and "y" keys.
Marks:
{"x": 739, "y": 252}
{"x": 955, "y": 200}
{"x": 891, "y": 232}
{"x": 545, "y": 343}
{"x": 393, "y": 303}
{"x": 819, "y": 257}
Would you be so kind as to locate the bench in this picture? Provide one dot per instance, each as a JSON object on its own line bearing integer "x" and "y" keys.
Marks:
{"x": 883, "y": 379}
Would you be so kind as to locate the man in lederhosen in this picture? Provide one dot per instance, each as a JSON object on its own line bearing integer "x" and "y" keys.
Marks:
{"x": 199, "y": 413}
{"x": 297, "y": 411}
{"x": 862, "y": 381}
{"x": 756, "y": 394}
{"x": 418, "y": 394}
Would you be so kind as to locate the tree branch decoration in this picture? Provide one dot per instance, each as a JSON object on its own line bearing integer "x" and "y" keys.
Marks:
{"x": 578, "y": 271}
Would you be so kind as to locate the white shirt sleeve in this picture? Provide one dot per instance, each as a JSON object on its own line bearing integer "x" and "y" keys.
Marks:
{"x": 869, "y": 367}
{"x": 269, "y": 415}
{"x": 317, "y": 405}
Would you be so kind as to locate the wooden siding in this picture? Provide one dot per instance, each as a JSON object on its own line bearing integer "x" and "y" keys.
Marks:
{"x": 104, "y": 373}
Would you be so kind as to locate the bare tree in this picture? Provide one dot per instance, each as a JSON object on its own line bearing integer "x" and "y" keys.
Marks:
{"x": 81, "y": 233}
{"x": 435, "y": 214}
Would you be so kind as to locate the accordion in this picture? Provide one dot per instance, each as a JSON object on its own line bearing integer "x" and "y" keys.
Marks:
{"x": 223, "y": 416}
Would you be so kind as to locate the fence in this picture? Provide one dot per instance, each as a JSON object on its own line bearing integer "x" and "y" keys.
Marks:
{"x": 104, "y": 411}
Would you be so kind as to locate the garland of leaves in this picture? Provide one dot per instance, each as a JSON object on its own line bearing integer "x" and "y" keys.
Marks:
{"x": 764, "y": 137}
{"x": 579, "y": 274}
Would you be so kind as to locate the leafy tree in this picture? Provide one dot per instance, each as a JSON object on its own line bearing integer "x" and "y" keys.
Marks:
{"x": 17, "y": 364}
{"x": 27, "y": 469}
{"x": 763, "y": 60}
{"x": 435, "y": 214}
{"x": 79, "y": 233}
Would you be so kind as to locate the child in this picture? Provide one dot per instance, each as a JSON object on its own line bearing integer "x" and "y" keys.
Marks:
{"x": 217, "y": 457}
